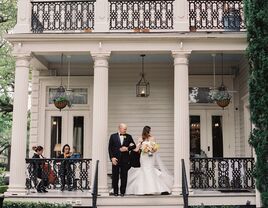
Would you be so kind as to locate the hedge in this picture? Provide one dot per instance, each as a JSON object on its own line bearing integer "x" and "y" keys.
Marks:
{"x": 14, "y": 204}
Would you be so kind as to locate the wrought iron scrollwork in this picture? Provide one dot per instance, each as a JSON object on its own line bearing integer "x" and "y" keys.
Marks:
{"x": 69, "y": 174}
{"x": 216, "y": 14}
{"x": 62, "y": 15}
{"x": 222, "y": 173}
{"x": 148, "y": 14}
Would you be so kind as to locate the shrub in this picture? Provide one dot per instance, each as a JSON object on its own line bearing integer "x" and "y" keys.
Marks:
{"x": 13, "y": 204}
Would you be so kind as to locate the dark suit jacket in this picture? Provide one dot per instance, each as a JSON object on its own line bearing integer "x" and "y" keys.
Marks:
{"x": 115, "y": 145}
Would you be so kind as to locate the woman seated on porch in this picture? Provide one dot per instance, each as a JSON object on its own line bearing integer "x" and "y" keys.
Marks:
{"x": 65, "y": 168}
{"x": 42, "y": 179}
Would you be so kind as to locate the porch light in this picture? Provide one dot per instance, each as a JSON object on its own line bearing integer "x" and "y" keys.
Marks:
{"x": 143, "y": 86}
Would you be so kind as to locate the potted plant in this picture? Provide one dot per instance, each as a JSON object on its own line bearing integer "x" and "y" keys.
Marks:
{"x": 222, "y": 97}
{"x": 61, "y": 102}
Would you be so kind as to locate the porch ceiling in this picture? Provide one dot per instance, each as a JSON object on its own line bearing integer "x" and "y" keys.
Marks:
{"x": 200, "y": 63}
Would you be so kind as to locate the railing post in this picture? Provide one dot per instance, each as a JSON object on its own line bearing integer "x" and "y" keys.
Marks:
{"x": 23, "y": 17}
{"x": 101, "y": 16}
{"x": 181, "y": 19}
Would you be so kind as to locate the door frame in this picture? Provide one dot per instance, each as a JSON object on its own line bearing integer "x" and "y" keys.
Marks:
{"x": 206, "y": 130}
{"x": 67, "y": 130}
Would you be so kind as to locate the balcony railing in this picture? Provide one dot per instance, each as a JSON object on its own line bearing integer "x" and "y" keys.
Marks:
{"x": 213, "y": 15}
{"x": 62, "y": 174}
{"x": 222, "y": 173}
{"x": 62, "y": 15}
{"x": 148, "y": 14}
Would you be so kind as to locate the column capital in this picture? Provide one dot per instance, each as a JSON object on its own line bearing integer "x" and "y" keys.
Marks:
{"x": 23, "y": 59}
{"x": 100, "y": 58}
{"x": 181, "y": 57}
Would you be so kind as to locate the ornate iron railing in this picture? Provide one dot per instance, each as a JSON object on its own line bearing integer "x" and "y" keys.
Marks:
{"x": 62, "y": 15}
{"x": 216, "y": 14}
{"x": 63, "y": 174}
{"x": 134, "y": 14}
{"x": 95, "y": 186}
{"x": 222, "y": 173}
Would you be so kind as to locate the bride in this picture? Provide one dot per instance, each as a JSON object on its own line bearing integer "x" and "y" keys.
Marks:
{"x": 148, "y": 179}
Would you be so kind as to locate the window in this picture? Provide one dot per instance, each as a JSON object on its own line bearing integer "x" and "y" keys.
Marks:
{"x": 79, "y": 95}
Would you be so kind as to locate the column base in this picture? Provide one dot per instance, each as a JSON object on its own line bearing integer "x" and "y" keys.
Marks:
{"x": 22, "y": 28}
{"x": 103, "y": 191}
{"x": 16, "y": 190}
{"x": 176, "y": 190}
{"x": 181, "y": 26}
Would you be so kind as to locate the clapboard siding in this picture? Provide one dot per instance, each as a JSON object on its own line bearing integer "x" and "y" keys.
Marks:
{"x": 243, "y": 91}
{"x": 155, "y": 111}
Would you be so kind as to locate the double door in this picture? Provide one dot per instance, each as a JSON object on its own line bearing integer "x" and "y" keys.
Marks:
{"x": 208, "y": 133}
{"x": 68, "y": 127}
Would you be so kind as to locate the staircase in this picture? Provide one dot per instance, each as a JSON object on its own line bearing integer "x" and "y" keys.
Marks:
{"x": 148, "y": 201}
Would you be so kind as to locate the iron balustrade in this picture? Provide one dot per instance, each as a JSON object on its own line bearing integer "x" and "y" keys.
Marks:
{"x": 62, "y": 15}
{"x": 222, "y": 173}
{"x": 212, "y": 15}
{"x": 148, "y": 14}
{"x": 65, "y": 174}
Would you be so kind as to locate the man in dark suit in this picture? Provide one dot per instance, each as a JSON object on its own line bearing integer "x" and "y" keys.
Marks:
{"x": 120, "y": 144}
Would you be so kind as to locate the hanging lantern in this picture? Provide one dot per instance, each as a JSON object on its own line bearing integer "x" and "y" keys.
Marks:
{"x": 143, "y": 86}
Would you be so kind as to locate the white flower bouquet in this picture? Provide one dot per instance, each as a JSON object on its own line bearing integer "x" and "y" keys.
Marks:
{"x": 149, "y": 148}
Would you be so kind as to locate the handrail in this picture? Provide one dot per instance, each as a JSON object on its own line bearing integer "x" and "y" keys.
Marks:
{"x": 95, "y": 186}
{"x": 185, "y": 190}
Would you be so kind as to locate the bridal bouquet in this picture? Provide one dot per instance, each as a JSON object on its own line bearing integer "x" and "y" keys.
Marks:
{"x": 149, "y": 147}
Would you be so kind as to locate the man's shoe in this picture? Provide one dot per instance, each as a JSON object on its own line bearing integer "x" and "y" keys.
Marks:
{"x": 122, "y": 195}
{"x": 39, "y": 191}
{"x": 115, "y": 194}
{"x": 44, "y": 190}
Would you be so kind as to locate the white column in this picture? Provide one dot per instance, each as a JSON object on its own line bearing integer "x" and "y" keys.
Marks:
{"x": 19, "y": 125}
{"x": 100, "y": 118}
{"x": 101, "y": 16}
{"x": 23, "y": 17}
{"x": 181, "y": 118}
{"x": 181, "y": 13}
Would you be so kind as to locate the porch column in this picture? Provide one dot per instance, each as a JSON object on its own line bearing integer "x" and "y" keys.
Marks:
{"x": 100, "y": 118}
{"x": 19, "y": 125}
{"x": 181, "y": 118}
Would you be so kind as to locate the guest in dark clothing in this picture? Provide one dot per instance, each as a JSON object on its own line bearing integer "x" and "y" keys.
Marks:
{"x": 38, "y": 170}
{"x": 65, "y": 168}
{"x": 120, "y": 144}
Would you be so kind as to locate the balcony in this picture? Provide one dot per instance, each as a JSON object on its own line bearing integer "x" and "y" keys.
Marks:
{"x": 136, "y": 16}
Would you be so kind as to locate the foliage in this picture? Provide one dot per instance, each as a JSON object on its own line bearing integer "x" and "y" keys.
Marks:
{"x": 257, "y": 35}
{"x": 61, "y": 99}
{"x": 11, "y": 204}
{"x": 2, "y": 176}
{"x": 218, "y": 95}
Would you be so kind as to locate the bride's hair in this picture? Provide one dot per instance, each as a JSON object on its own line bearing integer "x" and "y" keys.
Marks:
{"x": 146, "y": 132}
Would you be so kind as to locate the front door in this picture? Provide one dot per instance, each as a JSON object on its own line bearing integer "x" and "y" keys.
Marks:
{"x": 67, "y": 127}
{"x": 207, "y": 136}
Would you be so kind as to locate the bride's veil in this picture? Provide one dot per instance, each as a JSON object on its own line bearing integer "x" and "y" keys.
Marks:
{"x": 165, "y": 175}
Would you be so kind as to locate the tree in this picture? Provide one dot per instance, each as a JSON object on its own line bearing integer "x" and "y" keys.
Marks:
{"x": 7, "y": 66}
{"x": 257, "y": 51}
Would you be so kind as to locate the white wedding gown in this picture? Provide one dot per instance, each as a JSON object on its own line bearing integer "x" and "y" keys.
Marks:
{"x": 148, "y": 179}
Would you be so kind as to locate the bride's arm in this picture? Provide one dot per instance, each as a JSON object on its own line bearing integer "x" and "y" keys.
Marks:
{"x": 138, "y": 146}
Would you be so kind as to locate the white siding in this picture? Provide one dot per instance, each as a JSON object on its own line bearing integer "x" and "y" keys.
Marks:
{"x": 155, "y": 111}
